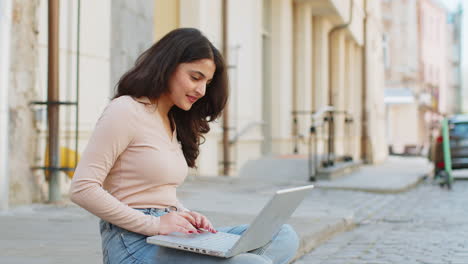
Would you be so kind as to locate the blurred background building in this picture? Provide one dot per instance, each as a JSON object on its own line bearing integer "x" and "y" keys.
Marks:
{"x": 422, "y": 46}
{"x": 337, "y": 79}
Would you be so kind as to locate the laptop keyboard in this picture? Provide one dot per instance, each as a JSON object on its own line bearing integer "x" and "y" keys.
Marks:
{"x": 218, "y": 240}
{"x": 210, "y": 238}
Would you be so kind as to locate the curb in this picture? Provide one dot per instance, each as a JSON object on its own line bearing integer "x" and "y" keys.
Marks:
{"x": 377, "y": 190}
{"x": 311, "y": 241}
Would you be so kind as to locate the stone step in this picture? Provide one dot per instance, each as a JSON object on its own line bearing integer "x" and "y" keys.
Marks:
{"x": 292, "y": 168}
{"x": 338, "y": 170}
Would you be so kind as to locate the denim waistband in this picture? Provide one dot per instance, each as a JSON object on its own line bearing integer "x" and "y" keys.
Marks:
{"x": 156, "y": 210}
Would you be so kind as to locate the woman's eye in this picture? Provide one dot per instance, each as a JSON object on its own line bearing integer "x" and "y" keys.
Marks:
{"x": 194, "y": 78}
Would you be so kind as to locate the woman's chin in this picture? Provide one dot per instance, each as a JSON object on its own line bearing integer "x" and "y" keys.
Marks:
{"x": 185, "y": 107}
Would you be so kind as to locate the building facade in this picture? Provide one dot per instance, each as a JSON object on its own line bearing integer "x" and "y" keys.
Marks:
{"x": 288, "y": 61}
{"x": 454, "y": 56}
{"x": 420, "y": 51}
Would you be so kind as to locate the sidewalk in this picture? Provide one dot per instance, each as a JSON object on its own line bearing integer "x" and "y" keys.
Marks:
{"x": 68, "y": 234}
{"x": 383, "y": 178}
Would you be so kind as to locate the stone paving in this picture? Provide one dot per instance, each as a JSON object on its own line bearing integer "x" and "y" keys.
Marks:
{"x": 425, "y": 225}
{"x": 382, "y": 178}
{"x": 64, "y": 233}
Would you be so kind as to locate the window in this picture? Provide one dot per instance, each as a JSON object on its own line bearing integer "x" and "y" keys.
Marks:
{"x": 459, "y": 128}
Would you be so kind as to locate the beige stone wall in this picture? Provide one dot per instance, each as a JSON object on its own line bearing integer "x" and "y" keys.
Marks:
{"x": 303, "y": 69}
{"x": 130, "y": 34}
{"x": 354, "y": 100}
{"x": 282, "y": 74}
{"x": 294, "y": 47}
{"x": 320, "y": 80}
{"x": 107, "y": 50}
{"x": 376, "y": 145}
{"x": 24, "y": 56}
{"x": 402, "y": 71}
{"x": 401, "y": 30}
{"x": 405, "y": 130}
{"x": 419, "y": 56}
{"x": 298, "y": 78}
{"x": 166, "y": 17}
{"x": 346, "y": 77}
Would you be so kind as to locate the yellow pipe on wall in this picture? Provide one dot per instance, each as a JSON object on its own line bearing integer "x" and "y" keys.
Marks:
{"x": 67, "y": 160}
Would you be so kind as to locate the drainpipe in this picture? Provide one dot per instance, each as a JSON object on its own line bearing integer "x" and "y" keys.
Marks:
{"x": 226, "y": 156}
{"x": 364, "y": 125}
{"x": 53, "y": 101}
{"x": 331, "y": 125}
{"x": 5, "y": 39}
{"x": 459, "y": 19}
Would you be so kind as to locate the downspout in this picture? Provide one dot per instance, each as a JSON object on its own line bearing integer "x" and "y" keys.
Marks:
{"x": 331, "y": 126}
{"x": 5, "y": 41}
{"x": 226, "y": 156}
{"x": 364, "y": 125}
{"x": 53, "y": 101}
{"x": 460, "y": 59}
{"x": 77, "y": 92}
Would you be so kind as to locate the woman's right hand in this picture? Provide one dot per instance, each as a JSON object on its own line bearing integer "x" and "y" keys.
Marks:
{"x": 177, "y": 222}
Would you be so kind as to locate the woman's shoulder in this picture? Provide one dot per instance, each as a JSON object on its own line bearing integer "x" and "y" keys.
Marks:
{"x": 127, "y": 106}
{"x": 130, "y": 101}
{"x": 124, "y": 102}
{"x": 122, "y": 106}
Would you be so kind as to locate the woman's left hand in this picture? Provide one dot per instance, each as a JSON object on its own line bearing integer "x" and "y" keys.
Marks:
{"x": 200, "y": 221}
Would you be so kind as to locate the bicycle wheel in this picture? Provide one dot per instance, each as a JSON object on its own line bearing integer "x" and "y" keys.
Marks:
{"x": 448, "y": 181}
{"x": 442, "y": 178}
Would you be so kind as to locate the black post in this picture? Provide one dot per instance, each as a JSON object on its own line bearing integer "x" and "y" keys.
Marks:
{"x": 312, "y": 174}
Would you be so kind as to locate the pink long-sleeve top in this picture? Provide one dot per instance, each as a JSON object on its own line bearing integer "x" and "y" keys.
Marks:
{"x": 130, "y": 162}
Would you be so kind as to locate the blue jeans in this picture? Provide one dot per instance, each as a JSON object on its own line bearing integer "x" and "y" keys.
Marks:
{"x": 122, "y": 246}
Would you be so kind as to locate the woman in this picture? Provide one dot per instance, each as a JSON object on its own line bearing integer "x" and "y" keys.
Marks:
{"x": 142, "y": 146}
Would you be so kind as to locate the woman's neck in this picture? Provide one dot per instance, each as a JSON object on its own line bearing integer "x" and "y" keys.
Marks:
{"x": 164, "y": 105}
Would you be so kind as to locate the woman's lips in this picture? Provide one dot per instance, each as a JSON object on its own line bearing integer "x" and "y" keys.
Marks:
{"x": 192, "y": 99}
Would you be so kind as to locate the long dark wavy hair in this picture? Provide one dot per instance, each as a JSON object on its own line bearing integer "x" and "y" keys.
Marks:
{"x": 151, "y": 73}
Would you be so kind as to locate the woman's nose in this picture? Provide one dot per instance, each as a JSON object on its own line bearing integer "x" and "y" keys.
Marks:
{"x": 201, "y": 89}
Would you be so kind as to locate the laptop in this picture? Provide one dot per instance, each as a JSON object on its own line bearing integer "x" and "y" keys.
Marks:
{"x": 275, "y": 213}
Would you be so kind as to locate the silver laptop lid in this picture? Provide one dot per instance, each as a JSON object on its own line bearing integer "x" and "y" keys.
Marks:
{"x": 270, "y": 219}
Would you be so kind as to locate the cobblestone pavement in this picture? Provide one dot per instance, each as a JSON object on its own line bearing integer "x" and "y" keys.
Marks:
{"x": 425, "y": 225}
